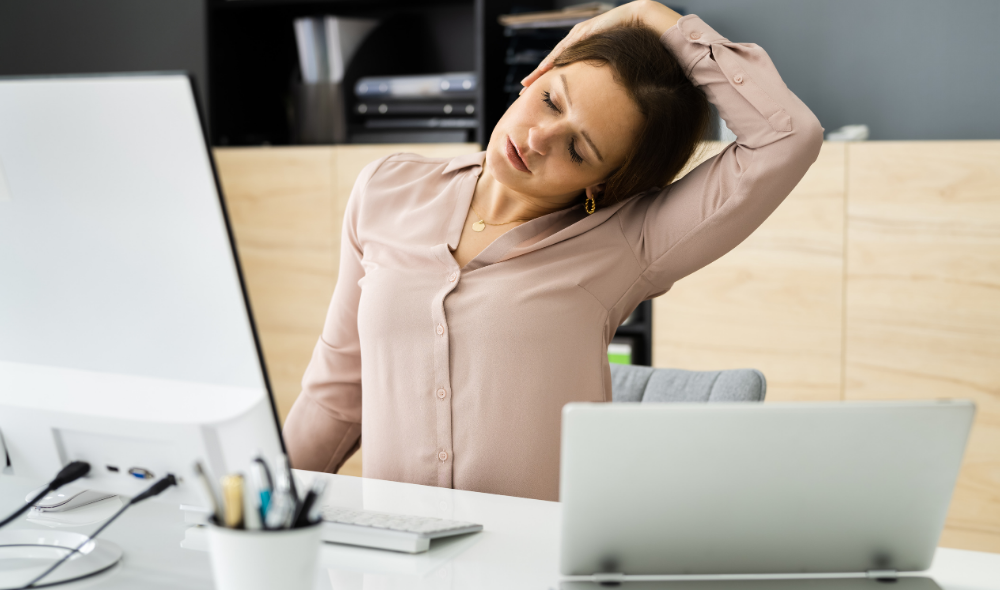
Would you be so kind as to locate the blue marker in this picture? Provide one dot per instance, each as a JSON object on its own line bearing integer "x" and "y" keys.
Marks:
{"x": 264, "y": 484}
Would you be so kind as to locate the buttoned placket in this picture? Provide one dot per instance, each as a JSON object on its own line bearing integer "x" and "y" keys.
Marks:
{"x": 440, "y": 392}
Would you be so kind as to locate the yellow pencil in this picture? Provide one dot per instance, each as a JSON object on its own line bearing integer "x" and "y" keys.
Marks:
{"x": 232, "y": 498}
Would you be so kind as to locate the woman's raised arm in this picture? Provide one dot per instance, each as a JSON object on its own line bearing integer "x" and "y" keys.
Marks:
{"x": 695, "y": 220}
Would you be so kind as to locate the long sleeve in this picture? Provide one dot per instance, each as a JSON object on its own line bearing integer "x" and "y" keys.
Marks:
{"x": 697, "y": 219}
{"x": 323, "y": 427}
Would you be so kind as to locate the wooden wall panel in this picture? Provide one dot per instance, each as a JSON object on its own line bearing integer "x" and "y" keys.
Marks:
{"x": 923, "y": 298}
{"x": 280, "y": 205}
{"x": 775, "y": 302}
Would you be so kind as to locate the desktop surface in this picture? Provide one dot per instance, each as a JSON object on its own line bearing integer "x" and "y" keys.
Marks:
{"x": 519, "y": 547}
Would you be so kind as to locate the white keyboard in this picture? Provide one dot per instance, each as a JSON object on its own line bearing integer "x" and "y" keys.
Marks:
{"x": 384, "y": 530}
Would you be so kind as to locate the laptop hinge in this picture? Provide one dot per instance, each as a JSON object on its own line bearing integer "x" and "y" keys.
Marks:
{"x": 609, "y": 578}
{"x": 882, "y": 574}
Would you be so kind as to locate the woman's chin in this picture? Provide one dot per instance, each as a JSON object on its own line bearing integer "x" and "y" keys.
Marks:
{"x": 500, "y": 169}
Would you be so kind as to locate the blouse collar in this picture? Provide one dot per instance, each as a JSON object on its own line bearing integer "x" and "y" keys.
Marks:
{"x": 465, "y": 161}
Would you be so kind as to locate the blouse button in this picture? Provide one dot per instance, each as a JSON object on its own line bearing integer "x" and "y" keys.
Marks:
{"x": 442, "y": 393}
{"x": 443, "y": 456}
{"x": 453, "y": 276}
{"x": 738, "y": 78}
{"x": 696, "y": 35}
{"x": 440, "y": 329}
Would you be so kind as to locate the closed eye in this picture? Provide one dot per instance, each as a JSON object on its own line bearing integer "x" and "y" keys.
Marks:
{"x": 572, "y": 151}
{"x": 573, "y": 154}
{"x": 548, "y": 100}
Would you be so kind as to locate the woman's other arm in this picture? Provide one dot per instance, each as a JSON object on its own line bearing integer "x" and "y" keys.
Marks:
{"x": 323, "y": 427}
{"x": 717, "y": 205}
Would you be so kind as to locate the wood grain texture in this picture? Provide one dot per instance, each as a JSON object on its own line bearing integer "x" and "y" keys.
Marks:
{"x": 923, "y": 298}
{"x": 774, "y": 302}
{"x": 282, "y": 212}
{"x": 958, "y": 538}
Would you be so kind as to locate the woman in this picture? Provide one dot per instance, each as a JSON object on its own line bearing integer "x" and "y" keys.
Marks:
{"x": 477, "y": 295}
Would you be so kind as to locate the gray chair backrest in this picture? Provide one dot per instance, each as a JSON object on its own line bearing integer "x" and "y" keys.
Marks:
{"x": 631, "y": 383}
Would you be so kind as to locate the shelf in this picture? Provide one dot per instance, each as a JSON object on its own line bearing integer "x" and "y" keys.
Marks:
{"x": 365, "y": 5}
{"x": 251, "y": 82}
{"x": 638, "y": 329}
{"x": 640, "y": 332}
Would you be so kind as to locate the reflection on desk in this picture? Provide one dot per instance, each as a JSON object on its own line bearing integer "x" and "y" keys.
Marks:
{"x": 518, "y": 548}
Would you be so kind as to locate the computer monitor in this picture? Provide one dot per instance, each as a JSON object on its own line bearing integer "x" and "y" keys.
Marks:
{"x": 126, "y": 338}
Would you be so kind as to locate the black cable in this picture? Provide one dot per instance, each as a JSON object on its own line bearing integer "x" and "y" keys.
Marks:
{"x": 153, "y": 490}
{"x": 70, "y": 473}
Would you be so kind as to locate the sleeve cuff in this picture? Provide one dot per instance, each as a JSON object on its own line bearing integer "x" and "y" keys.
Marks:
{"x": 315, "y": 440}
{"x": 689, "y": 40}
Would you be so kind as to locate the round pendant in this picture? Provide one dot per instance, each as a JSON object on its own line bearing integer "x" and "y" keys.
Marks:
{"x": 478, "y": 226}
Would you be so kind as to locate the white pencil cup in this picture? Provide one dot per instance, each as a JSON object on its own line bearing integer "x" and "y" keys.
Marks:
{"x": 264, "y": 560}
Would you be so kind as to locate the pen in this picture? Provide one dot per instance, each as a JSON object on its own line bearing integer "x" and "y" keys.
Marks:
{"x": 232, "y": 499}
{"x": 252, "y": 520}
{"x": 316, "y": 512}
{"x": 311, "y": 505}
{"x": 209, "y": 492}
{"x": 264, "y": 484}
{"x": 284, "y": 466}
{"x": 283, "y": 504}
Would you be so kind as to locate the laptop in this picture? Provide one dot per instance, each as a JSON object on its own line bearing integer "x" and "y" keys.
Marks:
{"x": 778, "y": 495}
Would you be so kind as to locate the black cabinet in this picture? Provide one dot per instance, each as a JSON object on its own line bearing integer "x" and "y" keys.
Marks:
{"x": 253, "y": 61}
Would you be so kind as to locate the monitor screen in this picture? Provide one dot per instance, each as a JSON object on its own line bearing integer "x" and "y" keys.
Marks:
{"x": 114, "y": 251}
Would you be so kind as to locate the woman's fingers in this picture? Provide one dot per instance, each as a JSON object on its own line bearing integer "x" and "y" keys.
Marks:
{"x": 581, "y": 31}
{"x": 546, "y": 64}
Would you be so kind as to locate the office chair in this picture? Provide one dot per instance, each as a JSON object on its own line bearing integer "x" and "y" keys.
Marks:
{"x": 632, "y": 383}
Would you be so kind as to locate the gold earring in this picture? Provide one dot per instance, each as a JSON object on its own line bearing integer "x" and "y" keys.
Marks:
{"x": 590, "y": 205}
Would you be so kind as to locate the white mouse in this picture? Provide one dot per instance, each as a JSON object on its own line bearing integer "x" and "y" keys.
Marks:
{"x": 61, "y": 501}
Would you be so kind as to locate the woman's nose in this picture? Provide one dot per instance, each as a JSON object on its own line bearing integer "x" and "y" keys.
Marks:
{"x": 540, "y": 138}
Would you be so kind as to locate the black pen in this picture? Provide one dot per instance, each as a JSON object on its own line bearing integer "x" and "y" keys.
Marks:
{"x": 268, "y": 480}
{"x": 306, "y": 515}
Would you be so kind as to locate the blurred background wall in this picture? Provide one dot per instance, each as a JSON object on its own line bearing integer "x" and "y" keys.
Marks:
{"x": 73, "y": 37}
{"x": 909, "y": 69}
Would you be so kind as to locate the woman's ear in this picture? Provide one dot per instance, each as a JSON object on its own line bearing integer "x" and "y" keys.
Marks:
{"x": 595, "y": 191}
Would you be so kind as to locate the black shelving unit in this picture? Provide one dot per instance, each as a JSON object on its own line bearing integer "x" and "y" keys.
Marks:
{"x": 638, "y": 329}
{"x": 253, "y": 62}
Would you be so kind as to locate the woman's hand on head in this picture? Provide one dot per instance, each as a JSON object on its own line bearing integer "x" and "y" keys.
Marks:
{"x": 654, "y": 14}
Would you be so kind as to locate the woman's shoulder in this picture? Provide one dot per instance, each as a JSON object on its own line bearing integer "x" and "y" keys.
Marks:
{"x": 405, "y": 169}
{"x": 405, "y": 181}
{"x": 417, "y": 164}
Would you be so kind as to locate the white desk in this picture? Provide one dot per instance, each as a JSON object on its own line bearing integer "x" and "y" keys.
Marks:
{"x": 518, "y": 549}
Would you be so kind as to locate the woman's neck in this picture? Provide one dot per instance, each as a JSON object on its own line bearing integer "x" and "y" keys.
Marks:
{"x": 499, "y": 204}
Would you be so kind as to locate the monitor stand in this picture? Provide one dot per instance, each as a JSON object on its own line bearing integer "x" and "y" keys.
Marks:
{"x": 24, "y": 554}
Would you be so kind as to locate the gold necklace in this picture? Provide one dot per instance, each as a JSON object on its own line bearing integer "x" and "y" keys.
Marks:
{"x": 482, "y": 223}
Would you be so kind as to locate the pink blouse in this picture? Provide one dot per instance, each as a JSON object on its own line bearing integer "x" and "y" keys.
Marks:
{"x": 456, "y": 377}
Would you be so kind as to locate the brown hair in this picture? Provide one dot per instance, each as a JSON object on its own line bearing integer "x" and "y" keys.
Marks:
{"x": 675, "y": 112}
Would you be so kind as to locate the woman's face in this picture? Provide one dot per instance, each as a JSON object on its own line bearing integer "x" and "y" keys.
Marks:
{"x": 569, "y": 131}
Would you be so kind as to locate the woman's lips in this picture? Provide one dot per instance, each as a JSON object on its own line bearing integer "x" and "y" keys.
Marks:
{"x": 515, "y": 158}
